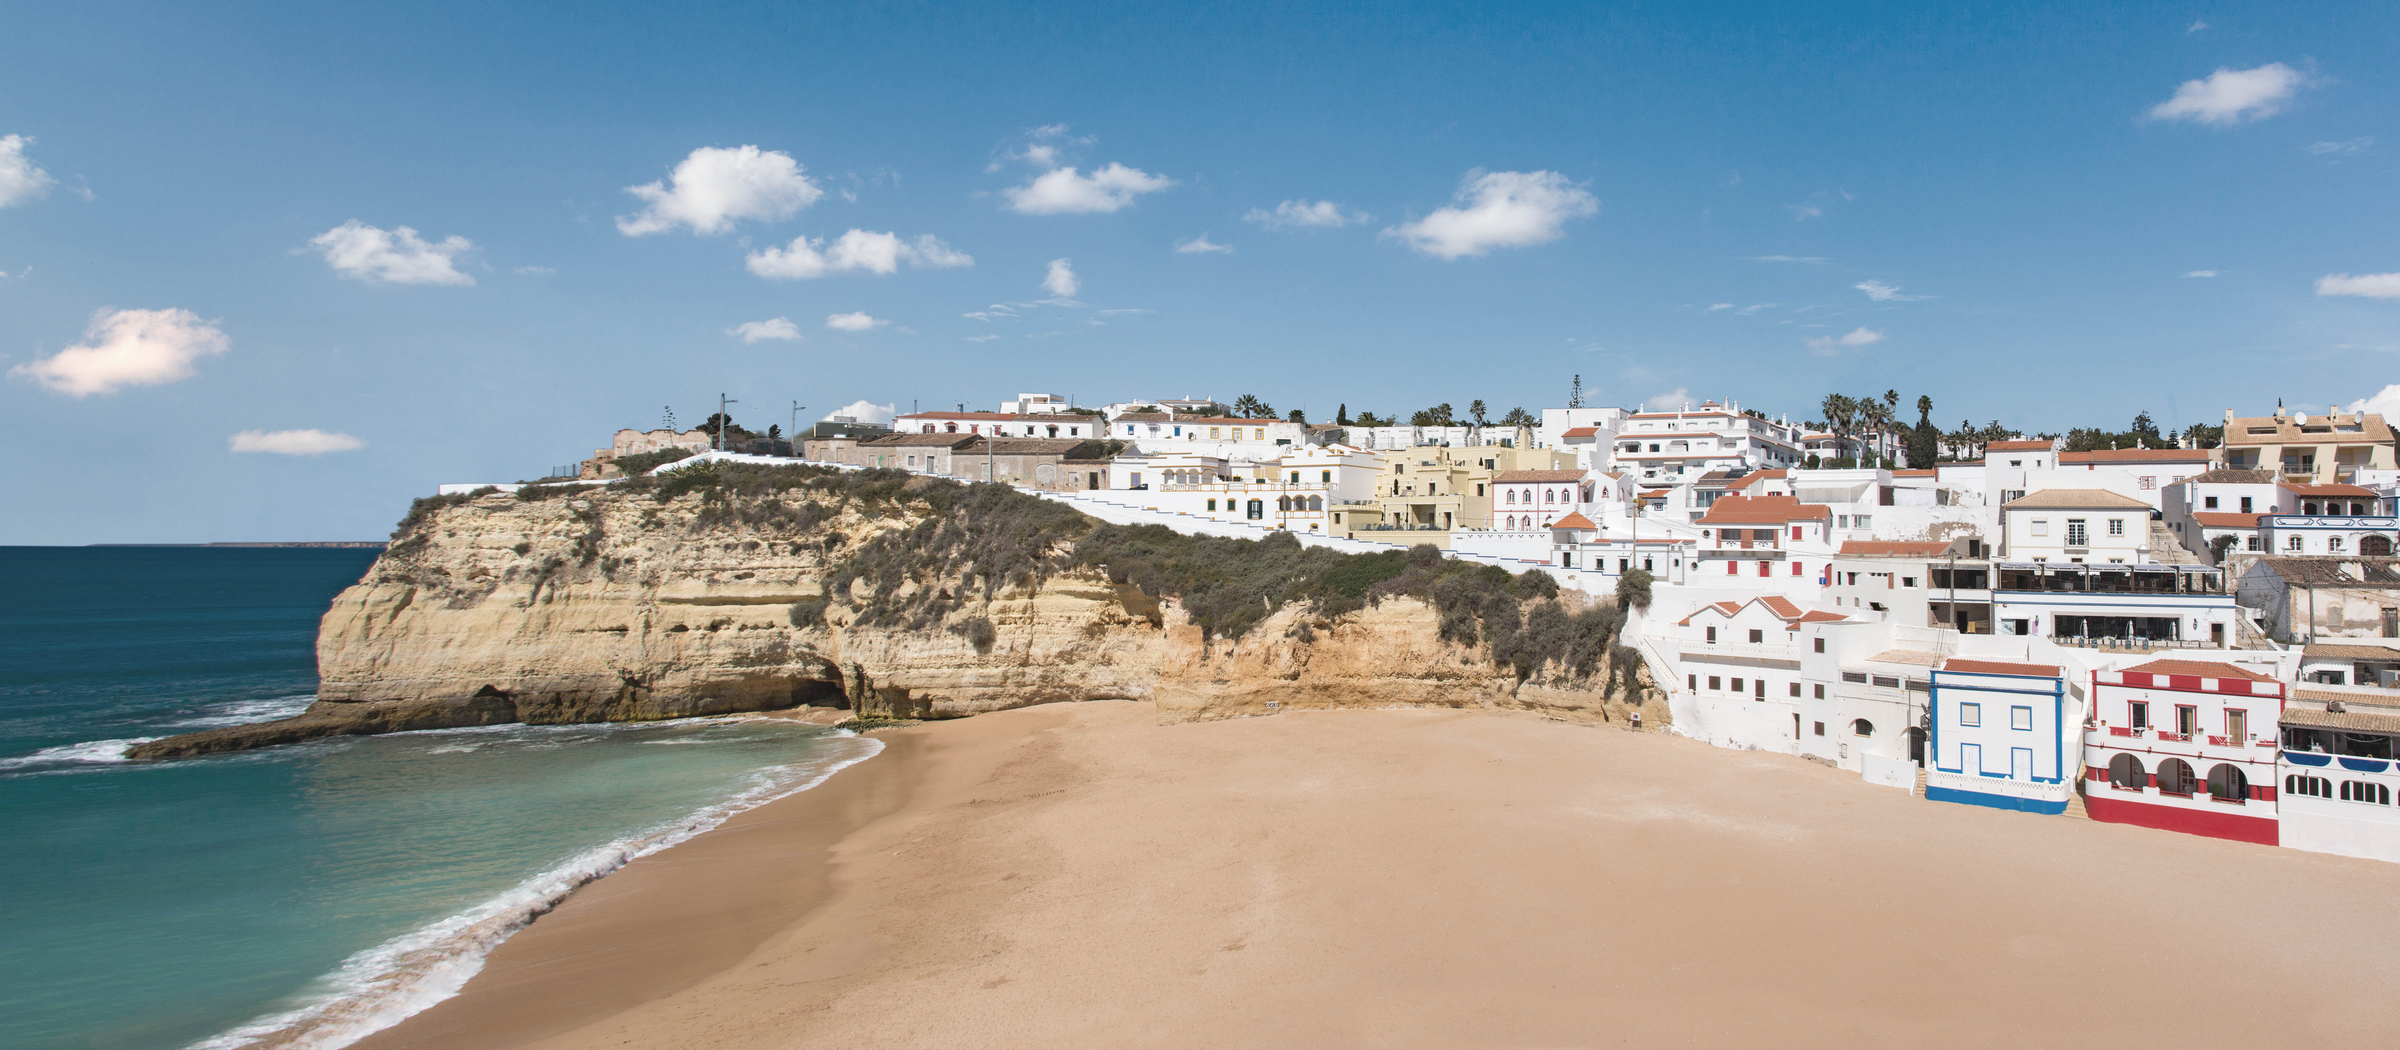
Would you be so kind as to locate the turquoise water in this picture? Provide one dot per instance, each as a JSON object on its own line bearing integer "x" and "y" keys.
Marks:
{"x": 325, "y": 889}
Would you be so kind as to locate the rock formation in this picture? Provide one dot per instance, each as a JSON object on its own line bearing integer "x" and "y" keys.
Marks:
{"x": 644, "y": 602}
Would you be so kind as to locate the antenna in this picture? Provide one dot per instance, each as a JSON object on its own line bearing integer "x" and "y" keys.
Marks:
{"x": 1575, "y": 393}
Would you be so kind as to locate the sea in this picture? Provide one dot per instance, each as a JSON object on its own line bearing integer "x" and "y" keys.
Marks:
{"x": 305, "y": 895}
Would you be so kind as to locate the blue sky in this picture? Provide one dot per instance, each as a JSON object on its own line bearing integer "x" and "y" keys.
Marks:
{"x": 1995, "y": 206}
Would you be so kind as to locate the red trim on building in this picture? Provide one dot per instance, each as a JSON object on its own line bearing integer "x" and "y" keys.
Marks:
{"x": 2238, "y": 827}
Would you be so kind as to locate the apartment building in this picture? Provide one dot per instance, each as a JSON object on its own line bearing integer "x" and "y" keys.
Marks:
{"x": 1765, "y": 537}
{"x": 2324, "y": 449}
{"x": 1428, "y": 491}
{"x": 1678, "y": 447}
{"x": 1001, "y": 424}
{"x": 2075, "y": 525}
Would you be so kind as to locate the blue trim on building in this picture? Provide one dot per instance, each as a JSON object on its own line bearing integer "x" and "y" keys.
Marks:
{"x": 2365, "y": 765}
{"x": 2307, "y": 759}
{"x": 1990, "y": 801}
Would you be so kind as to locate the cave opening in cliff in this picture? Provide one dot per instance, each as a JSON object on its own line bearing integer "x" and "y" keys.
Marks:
{"x": 819, "y": 692}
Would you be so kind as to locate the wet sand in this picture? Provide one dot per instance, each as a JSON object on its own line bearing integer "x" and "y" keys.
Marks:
{"x": 1080, "y": 876}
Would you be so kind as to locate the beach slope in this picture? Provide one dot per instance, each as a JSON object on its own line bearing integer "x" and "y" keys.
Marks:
{"x": 1080, "y": 875}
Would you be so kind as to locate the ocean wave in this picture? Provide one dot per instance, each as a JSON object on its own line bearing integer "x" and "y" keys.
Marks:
{"x": 244, "y": 712}
{"x": 87, "y": 753}
{"x": 384, "y": 985}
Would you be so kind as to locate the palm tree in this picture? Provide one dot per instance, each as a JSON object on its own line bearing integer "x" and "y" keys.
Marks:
{"x": 1839, "y": 409}
{"x": 1250, "y": 406}
{"x": 1517, "y": 417}
{"x": 1873, "y": 418}
{"x": 1475, "y": 412}
{"x": 1891, "y": 417}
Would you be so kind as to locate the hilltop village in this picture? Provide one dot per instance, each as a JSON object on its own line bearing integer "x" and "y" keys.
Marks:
{"x": 2197, "y": 631}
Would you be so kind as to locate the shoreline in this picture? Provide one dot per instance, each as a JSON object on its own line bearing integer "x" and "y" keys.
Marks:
{"x": 691, "y": 909}
{"x": 1081, "y": 875}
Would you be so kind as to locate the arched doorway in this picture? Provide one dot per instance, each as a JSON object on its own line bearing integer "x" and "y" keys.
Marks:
{"x": 1861, "y": 727}
{"x": 2175, "y": 777}
{"x": 2125, "y": 773}
{"x": 1916, "y": 742}
{"x": 2376, "y": 546}
{"x": 2226, "y": 783}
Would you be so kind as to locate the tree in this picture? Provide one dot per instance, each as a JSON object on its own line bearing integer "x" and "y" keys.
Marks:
{"x": 1297, "y": 416}
{"x": 2145, "y": 426}
{"x": 1924, "y": 441}
{"x": 1437, "y": 416}
{"x": 1518, "y": 417}
{"x": 1475, "y": 412}
{"x": 1839, "y": 410}
{"x": 1341, "y": 415}
{"x": 2217, "y": 548}
{"x": 716, "y": 421}
{"x": 774, "y": 430}
{"x": 1249, "y": 406}
{"x": 2205, "y": 435}
{"x": 1370, "y": 419}
{"x": 1633, "y": 589}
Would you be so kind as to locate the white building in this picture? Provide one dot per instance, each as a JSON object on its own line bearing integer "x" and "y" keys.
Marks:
{"x": 1672, "y": 448}
{"x": 1296, "y": 489}
{"x": 2003, "y": 735}
{"x": 2075, "y": 525}
{"x": 1223, "y": 436}
{"x": 1001, "y": 424}
{"x": 1594, "y": 425}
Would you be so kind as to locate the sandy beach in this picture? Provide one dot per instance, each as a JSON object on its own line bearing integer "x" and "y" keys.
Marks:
{"x": 1077, "y": 875}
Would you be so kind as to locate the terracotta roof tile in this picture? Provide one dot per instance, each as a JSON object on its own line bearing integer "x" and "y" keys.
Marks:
{"x": 2330, "y": 490}
{"x": 2018, "y": 446}
{"x": 2209, "y": 519}
{"x": 1894, "y": 548}
{"x": 1580, "y": 432}
{"x": 2135, "y": 455}
{"x": 2198, "y": 669}
{"x": 1573, "y": 521}
{"x": 1761, "y": 510}
{"x": 2075, "y": 499}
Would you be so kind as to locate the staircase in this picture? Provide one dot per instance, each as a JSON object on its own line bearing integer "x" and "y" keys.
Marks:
{"x": 2166, "y": 549}
{"x": 2075, "y": 805}
{"x": 1919, "y": 790}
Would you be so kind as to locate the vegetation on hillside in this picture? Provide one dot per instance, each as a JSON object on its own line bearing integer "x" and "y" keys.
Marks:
{"x": 971, "y": 542}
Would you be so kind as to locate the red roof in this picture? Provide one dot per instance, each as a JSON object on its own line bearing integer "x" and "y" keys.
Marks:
{"x": 1573, "y": 521}
{"x": 1581, "y": 432}
{"x": 1894, "y": 548}
{"x": 1748, "y": 479}
{"x": 2017, "y": 446}
{"x": 2329, "y": 490}
{"x": 2198, "y": 669}
{"x": 2000, "y": 667}
{"x": 1820, "y": 616}
{"x": 1781, "y": 606}
{"x": 1913, "y": 473}
{"x": 2210, "y": 519}
{"x": 1722, "y": 609}
{"x": 1760, "y": 510}
{"x": 2134, "y": 455}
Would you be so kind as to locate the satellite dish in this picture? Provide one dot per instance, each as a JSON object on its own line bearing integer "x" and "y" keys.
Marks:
{"x": 2300, "y": 418}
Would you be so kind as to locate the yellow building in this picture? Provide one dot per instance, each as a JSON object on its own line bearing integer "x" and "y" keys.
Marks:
{"x": 2326, "y": 449}
{"x": 1425, "y": 492}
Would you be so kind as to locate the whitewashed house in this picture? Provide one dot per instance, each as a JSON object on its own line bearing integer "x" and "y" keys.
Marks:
{"x": 2002, "y": 734}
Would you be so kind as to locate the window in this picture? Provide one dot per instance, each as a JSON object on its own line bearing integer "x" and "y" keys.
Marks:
{"x": 1757, "y": 636}
{"x": 1796, "y": 690}
{"x": 2359, "y": 791}
{"x": 1796, "y": 570}
{"x": 1326, "y": 476}
{"x": 1737, "y": 685}
{"x": 1970, "y": 714}
{"x": 1795, "y": 532}
{"x": 1908, "y": 581}
{"x": 1257, "y": 509}
{"x": 1733, "y": 568}
{"x": 2333, "y": 545}
{"x": 2293, "y": 543}
{"x": 1715, "y": 683}
{"x": 1820, "y": 645}
{"x": 2245, "y": 504}
{"x": 1820, "y": 692}
{"x": 2076, "y": 534}
{"x": 1759, "y": 689}
{"x": 2140, "y": 715}
{"x": 1212, "y": 506}
{"x": 2040, "y": 526}
{"x": 2209, "y": 502}
{"x": 1861, "y": 727}
{"x": 1712, "y": 636}
{"x": 1511, "y": 498}
{"x": 1855, "y": 677}
{"x": 1262, "y": 434}
{"x": 1820, "y": 728}
{"x": 1691, "y": 683}
{"x": 2187, "y": 719}
{"x": 2237, "y": 727}
{"x": 1860, "y": 521}
{"x": 1212, "y": 433}
{"x": 1886, "y": 682}
{"x": 2317, "y": 787}
{"x": 2020, "y": 718}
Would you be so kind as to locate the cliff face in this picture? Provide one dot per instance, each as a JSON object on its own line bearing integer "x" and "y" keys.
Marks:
{"x": 615, "y": 606}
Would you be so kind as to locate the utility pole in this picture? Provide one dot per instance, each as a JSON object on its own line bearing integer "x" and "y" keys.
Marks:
{"x": 793, "y": 435}
{"x": 724, "y": 421}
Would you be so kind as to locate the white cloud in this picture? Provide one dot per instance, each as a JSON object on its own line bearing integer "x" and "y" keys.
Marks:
{"x": 2385, "y": 403}
{"x": 981, "y": 338}
{"x": 1306, "y": 214}
{"x": 1669, "y": 401}
{"x": 857, "y": 321}
{"x": 1499, "y": 209}
{"x": 1829, "y": 345}
{"x": 1063, "y": 191}
{"x": 123, "y": 348}
{"x": 2362, "y": 144}
{"x": 396, "y": 256}
{"x": 1061, "y": 279}
{"x": 715, "y": 188}
{"x": 2230, "y": 96}
{"x": 808, "y": 257}
{"x": 1886, "y": 293}
{"x": 1714, "y": 307}
{"x": 1201, "y": 244}
{"x": 2196, "y": 27}
{"x": 20, "y": 180}
{"x": 536, "y": 271}
{"x": 866, "y": 411}
{"x": 293, "y": 442}
{"x": 2201, "y": 273}
{"x": 771, "y": 328}
{"x": 1809, "y": 259}
{"x": 1805, "y": 211}
{"x": 1756, "y": 307}
{"x": 2365, "y": 285}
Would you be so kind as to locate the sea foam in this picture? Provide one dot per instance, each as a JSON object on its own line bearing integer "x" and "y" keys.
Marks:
{"x": 386, "y": 984}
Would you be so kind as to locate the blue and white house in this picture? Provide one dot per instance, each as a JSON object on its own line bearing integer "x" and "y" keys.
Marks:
{"x": 1998, "y": 736}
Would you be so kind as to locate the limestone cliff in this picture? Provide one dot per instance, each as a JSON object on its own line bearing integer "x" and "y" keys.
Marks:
{"x": 646, "y": 602}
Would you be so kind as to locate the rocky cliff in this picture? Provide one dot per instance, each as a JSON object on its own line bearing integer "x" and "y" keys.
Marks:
{"x": 753, "y": 590}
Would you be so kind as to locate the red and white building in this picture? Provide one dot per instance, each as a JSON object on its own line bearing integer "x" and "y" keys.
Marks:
{"x": 1764, "y": 536}
{"x": 1533, "y": 499}
{"x": 2185, "y": 745}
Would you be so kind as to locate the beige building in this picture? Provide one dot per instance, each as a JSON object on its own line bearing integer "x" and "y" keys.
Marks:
{"x": 2075, "y": 525}
{"x": 2305, "y": 447}
{"x": 631, "y": 442}
{"x": 1425, "y": 492}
